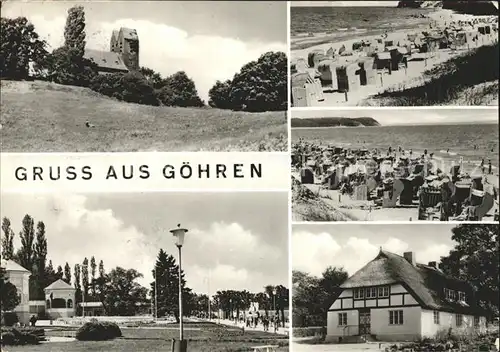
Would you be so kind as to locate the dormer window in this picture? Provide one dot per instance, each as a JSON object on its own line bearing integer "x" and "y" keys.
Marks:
{"x": 371, "y": 292}
{"x": 461, "y": 296}
{"x": 449, "y": 295}
{"x": 383, "y": 291}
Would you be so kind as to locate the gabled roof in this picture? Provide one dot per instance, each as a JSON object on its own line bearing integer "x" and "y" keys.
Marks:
{"x": 59, "y": 285}
{"x": 424, "y": 282}
{"x": 106, "y": 59}
{"x": 10, "y": 265}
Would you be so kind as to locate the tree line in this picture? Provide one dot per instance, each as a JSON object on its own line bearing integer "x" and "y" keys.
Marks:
{"x": 118, "y": 290}
{"x": 474, "y": 259}
{"x": 259, "y": 86}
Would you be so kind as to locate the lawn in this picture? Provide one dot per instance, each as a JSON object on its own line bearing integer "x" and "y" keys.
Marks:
{"x": 206, "y": 337}
{"x": 47, "y": 117}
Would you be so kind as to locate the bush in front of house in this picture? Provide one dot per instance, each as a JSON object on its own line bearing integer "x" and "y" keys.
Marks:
{"x": 98, "y": 331}
{"x": 22, "y": 336}
{"x": 9, "y": 318}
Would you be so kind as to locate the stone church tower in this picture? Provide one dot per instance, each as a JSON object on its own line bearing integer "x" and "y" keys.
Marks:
{"x": 126, "y": 43}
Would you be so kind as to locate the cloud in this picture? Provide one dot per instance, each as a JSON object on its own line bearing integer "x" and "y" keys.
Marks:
{"x": 232, "y": 256}
{"x": 313, "y": 252}
{"x": 167, "y": 49}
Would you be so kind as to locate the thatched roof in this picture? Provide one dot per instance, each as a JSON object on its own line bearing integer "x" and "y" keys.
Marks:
{"x": 424, "y": 282}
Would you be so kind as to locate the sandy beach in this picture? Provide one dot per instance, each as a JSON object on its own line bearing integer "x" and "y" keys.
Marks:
{"x": 398, "y": 80}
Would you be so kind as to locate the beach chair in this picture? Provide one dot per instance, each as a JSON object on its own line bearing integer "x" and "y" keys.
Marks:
{"x": 481, "y": 204}
{"x": 429, "y": 199}
{"x": 306, "y": 176}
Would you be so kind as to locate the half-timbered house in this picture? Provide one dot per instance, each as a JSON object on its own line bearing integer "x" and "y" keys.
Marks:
{"x": 393, "y": 298}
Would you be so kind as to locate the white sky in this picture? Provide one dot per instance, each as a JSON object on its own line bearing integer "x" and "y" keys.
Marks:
{"x": 241, "y": 239}
{"x": 315, "y": 247}
{"x": 409, "y": 116}
{"x": 209, "y": 40}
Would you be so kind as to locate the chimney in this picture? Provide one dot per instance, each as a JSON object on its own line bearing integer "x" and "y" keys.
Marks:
{"x": 433, "y": 264}
{"x": 410, "y": 257}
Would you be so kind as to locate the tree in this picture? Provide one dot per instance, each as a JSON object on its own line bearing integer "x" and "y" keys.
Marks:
{"x": 67, "y": 273}
{"x": 166, "y": 274}
{"x": 8, "y": 293}
{"x": 85, "y": 277}
{"x": 27, "y": 235}
{"x": 122, "y": 292}
{"x": 74, "y": 31}
{"x": 259, "y": 86}
{"x": 66, "y": 66}
{"x": 60, "y": 272}
{"x": 7, "y": 240}
{"x": 20, "y": 47}
{"x": 38, "y": 279}
{"x": 475, "y": 260}
{"x": 152, "y": 77}
{"x": 220, "y": 95}
{"x": 180, "y": 90}
{"x": 313, "y": 296}
{"x": 93, "y": 267}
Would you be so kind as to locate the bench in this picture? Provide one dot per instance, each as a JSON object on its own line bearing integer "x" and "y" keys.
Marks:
{"x": 266, "y": 348}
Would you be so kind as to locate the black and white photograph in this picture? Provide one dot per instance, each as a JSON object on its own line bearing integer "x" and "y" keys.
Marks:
{"x": 127, "y": 76}
{"x": 374, "y": 287}
{"x": 394, "y": 53}
{"x": 393, "y": 165}
{"x": 102, "y": 272}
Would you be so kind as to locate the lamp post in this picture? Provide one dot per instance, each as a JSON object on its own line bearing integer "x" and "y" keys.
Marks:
{"x": 179, "y": 234}
{"x": 274, "y": 308}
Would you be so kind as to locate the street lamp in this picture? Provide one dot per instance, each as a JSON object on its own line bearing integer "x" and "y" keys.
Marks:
{"x": 179, "y": 234}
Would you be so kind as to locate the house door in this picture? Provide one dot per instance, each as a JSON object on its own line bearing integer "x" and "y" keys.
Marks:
{"x": 364, "y": 321}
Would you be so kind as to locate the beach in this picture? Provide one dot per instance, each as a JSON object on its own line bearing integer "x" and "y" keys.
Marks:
{"x": 398, "y": 80}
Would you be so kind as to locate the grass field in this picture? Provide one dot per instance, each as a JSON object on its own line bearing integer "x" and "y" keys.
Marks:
{"x": 46, "y": 117}
{"x": 202, "y": 337}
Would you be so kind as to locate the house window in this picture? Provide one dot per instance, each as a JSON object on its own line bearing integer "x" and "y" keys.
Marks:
{"x": 383, "y": 291}
{"x": 371, "y": 292}
{"x": 359, "y": 293}
{"x": 461, "y": 296}
{"x": 476, "y": 322}
{"x": 449, "y": 294}
{"x": 395, "y": 317}
{"x": 459, "y": 319}
{"x": 436, "y": 317}
{"x": 342, "y": 319}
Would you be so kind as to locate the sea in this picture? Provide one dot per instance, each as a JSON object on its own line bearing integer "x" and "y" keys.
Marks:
{"x": 473, "y": 142}
{"x": 334, "y": 19}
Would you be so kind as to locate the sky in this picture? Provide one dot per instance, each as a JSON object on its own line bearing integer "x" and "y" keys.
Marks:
{"x": 351, "y": 246}
{"x": 234, "y": 241}
{"x": 345, "y": 3}
{"x": 208, "y": 40}
{"x": 409, "y": 116}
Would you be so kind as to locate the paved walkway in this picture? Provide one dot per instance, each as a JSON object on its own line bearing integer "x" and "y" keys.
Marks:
{"x": 260, "y": 327}
{"x": 369, "y": 347}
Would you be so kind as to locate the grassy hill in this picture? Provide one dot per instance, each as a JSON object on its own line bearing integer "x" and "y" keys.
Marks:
{"x": 335, "y": 122}
{"x": 468, "y": 79}
{"x": 46, "y": 117}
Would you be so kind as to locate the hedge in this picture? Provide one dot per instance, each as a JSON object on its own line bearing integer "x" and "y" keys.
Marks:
{"x": 309, "y": 331}
{"x": 22, "y": 336}
{"x": 98, "y": 331}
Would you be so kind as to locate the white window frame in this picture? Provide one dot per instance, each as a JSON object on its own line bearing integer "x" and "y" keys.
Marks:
{"x": 383, "y": 292}
{"x": 342, "y": 319}
{"x": 371, "y": 292}
{"x": 459, "y": 320}
{"x": 355, "y": 293}
{"x": 461, "y": 296}
{"x": 436, "y": 317}
{"x": 397, "y": 317}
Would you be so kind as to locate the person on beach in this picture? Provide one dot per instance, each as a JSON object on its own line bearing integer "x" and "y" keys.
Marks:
{"x": 489, "y": 167}
{"x": 482, "y": 165}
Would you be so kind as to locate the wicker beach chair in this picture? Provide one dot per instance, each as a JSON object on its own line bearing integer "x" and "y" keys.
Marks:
{"x": 430, "y": 198}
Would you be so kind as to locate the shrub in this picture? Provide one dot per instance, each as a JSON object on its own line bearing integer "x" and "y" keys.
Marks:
{"x": 22, "y": 336}
{"x": 99, "y": 331}
{"x": 9, "y": 318}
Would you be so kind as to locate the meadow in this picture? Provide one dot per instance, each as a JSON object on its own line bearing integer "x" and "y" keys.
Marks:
{"x": 202, "y": 337}
{"x": 39, "y": 116}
